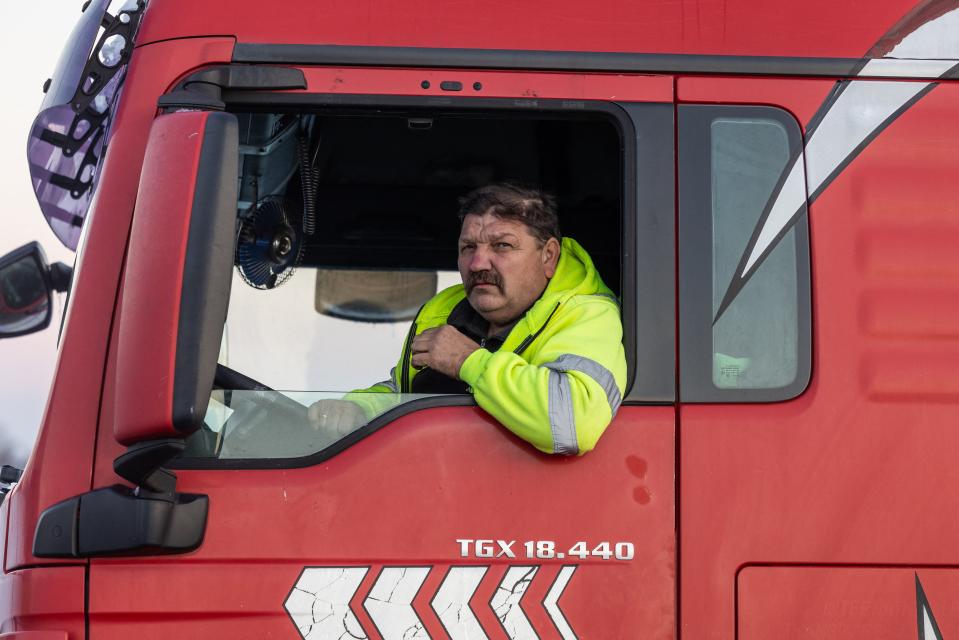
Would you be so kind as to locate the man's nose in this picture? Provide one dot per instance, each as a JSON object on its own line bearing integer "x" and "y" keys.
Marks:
{"x": 480, "y": 260}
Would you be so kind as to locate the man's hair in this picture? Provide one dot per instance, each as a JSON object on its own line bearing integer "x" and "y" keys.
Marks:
{"x": 534, "y": 208}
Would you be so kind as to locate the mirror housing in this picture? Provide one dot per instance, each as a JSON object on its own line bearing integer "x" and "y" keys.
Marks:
{"x": 176, "y": 281}
{"x": 26, "y": 290}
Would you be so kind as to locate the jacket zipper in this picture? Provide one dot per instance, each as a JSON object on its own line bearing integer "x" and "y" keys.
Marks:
{"x": 407, "y": 356}
{"x": 529, "y": 339}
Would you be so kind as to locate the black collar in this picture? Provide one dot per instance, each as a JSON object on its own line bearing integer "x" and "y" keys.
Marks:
{"x": 470, "y": 323}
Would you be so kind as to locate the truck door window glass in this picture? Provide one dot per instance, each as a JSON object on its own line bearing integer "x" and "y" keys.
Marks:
{"x": 742, "y": 338}
{"x": 346, "y": 225}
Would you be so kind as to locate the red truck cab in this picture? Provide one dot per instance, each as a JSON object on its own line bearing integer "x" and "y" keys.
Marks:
{"x": 261, "y": 201}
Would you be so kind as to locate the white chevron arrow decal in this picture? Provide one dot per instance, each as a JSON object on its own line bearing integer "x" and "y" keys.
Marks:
{"x": 506, "y": 603}
{"x": 320, "y": 603}
{"x": 452, "y": 603}
{"x": 390, "y": 603}
{"x": 551, "y": 602}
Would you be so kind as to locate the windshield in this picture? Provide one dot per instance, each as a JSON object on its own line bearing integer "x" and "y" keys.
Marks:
{"x": 69, "y": 135}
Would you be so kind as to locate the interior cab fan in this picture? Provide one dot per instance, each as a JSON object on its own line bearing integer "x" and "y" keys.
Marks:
{"x": 269, "y": 247}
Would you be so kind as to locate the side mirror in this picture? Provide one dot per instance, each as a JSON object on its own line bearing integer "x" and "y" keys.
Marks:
{"x": 26, "y": 290}
{"x": 176, "y": 282}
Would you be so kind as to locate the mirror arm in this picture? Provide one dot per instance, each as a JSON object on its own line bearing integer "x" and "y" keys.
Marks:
{"x": 60, "y": 276}
{"x": 142, "y": 464}
{"x": 151, "y": 518}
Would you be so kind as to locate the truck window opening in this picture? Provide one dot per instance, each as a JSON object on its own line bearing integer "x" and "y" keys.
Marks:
{"x": 347, "y": 225}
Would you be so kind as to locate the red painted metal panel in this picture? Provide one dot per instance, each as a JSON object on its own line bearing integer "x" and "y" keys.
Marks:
{"x": 149, "y": 310}
{"x": 800, "y": 97}
{"x": 406, "y": 493}
{"x": 402, "y": 497}
{"x": 861, "y": 468}
{"x": 62, "y": 459}
{"x": 493, "y": 84}
{"x": 42, "y": 604}
{"x": 738, "y": 27}
{"x": 795, "y": 603}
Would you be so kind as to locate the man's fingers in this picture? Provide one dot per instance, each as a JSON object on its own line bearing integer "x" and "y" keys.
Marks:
{"x": 324, "y": 413}
{"x": 442, "y": 348}
{"x": 335, "y": 414}
{"x": 420, "y": 348}
{"x": 423, "y": 341}
{"x": 420, "y": 360}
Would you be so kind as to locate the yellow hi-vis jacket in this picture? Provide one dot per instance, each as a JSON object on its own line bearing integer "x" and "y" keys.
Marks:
{"x": 558, "y": 379}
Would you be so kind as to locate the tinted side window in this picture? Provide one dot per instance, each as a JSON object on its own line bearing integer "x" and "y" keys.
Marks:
{"x": 744, "y": 256}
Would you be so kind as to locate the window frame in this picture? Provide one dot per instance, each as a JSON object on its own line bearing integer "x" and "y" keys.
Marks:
{"x": 696, "y": 257}
{"x": 646, "y": 247}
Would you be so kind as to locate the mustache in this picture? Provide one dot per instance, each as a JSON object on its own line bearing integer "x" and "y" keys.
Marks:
{"x": 482, "y": 277}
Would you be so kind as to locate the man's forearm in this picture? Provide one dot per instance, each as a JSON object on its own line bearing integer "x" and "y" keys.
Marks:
{"x": 556, "y": 412}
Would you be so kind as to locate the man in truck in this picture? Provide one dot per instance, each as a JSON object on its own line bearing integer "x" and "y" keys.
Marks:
{"x": 533, "y": 332}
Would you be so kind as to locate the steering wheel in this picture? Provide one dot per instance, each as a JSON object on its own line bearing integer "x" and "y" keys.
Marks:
{"x": 265, "y": 422}
{"x": 231, "y": 379}
{"x": 228, "y": 379}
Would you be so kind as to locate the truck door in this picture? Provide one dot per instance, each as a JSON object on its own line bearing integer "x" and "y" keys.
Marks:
{"x": 744, "y": 308}
{"x": 429, "y": 520}
{"x": 805, "y": 382}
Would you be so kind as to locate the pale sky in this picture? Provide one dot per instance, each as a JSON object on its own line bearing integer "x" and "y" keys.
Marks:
{"x": 31, "y": 36}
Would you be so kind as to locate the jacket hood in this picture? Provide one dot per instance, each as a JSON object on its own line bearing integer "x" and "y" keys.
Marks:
{"x": 575, "y": 276}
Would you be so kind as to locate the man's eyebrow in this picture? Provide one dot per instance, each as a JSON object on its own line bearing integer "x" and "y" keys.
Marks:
{"x": 506, "y": 235}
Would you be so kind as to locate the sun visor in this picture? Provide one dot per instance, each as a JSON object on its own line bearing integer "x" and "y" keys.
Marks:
{"x": 373, "y": 296}
{"x": 176, "y": 282}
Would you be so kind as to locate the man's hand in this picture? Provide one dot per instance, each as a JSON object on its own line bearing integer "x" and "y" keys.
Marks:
{"x": 442, "y": 349}
{"x": 338, "y": 417}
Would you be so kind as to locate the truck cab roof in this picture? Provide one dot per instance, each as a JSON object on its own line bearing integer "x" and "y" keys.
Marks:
{"x": 813, "y": 29}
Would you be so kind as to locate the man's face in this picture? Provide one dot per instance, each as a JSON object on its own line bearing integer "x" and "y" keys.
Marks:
{"x": 504, "y": 269}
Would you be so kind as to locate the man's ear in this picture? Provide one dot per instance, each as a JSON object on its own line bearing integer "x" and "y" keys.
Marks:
{"x": 550, "y": 257}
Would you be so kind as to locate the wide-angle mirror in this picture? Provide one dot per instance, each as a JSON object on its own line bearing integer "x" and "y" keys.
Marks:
{"x": 25, "y": 292}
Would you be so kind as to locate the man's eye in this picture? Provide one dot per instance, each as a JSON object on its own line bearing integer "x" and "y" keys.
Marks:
{"x": 467, "y": 247}
{"x": 503, "y": 245}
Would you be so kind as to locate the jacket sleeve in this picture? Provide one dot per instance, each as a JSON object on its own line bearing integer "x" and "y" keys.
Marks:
{"x": 378, "y": 398}
{"x": 383, "y": 396}
{"x": 563, "y": 400}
